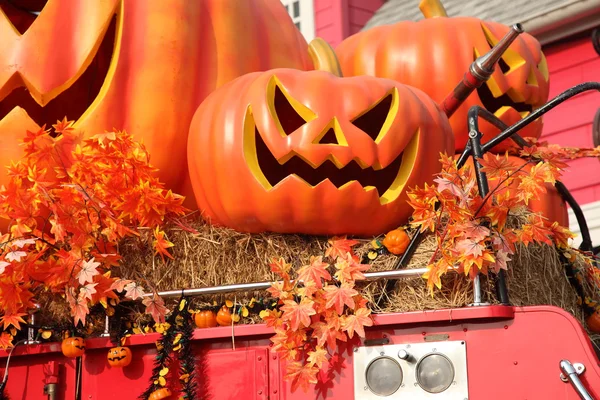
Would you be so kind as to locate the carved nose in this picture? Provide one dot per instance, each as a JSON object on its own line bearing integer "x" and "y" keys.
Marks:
{"x": 332, "y": 134}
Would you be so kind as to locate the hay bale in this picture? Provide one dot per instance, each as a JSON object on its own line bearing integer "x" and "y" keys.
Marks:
{"x": 219, "y": 256}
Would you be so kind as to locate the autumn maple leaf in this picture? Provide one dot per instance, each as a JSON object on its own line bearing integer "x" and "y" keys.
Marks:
{"x": 155, "y": 306}
{"x": 13, "y": 319}
{"x": 134, "y": 291}
{"x": 6, "y": 340}
{"x": 317, "y": 357}
{"x": 327, "y": 334}
{"x": 301, "y": 375}
{"x": 280, "y": 267}
{"x": 88, "y": 271}
{"x": 161, "y": 244}
{"x": 339, "y": 246}
{"x": 497, "y": 165}
{"x": 356, "y": 322}
{"x": 298, "y": 314}
{"x": 348, "y": 270}
{"x": 339, "y": 296}
{"x": 315, "y": 271}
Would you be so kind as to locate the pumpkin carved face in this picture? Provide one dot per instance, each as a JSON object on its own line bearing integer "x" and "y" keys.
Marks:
{"x": 119, "y": 357}
{"x": 309, "y": 152}
{"x": 114, "y": 71}
{"x": 73, "y": 347}
{"x": 434, "y": 54}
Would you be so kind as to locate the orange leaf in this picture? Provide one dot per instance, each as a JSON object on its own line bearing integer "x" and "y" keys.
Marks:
{"x": 339, "y": 246}
{"x": 356, "y": 322}
{"x": 315, "y": 271}
{"x": 161, "y": 244}
{"x": 337, "y": 297}
{"x": 298, "y": 314}
{"x": 301, "y": 375}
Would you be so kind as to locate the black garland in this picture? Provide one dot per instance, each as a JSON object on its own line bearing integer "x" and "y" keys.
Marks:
{"x": 185, "y": 355}
{"x": 163, "y": 355}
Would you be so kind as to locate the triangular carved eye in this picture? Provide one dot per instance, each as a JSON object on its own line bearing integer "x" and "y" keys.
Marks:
{"x": 288, "y": 117}
{"x": 372, "y": 121}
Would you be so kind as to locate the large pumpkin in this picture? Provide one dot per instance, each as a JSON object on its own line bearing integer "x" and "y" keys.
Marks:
{"x": 142, "y": 66}
{"x": 310, "y": 152}
{"x": 434, "y": 54}
{"x": 550, "y": 204}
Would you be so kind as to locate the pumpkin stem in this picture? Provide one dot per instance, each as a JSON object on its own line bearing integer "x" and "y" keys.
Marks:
{"x": 432, "y": 8}
{"x": 323, "y": 57}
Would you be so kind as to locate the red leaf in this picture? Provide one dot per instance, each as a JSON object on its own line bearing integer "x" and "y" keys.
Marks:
{"x": 315, "y": 271}
{"x": 356, "y": 322}
{"x": 339, "y": 296}
{"x": 155, "y": 306}
{"x": 301, "y": 375}
{"x": 298, "y": 314}
{"x": 339, "y": 246}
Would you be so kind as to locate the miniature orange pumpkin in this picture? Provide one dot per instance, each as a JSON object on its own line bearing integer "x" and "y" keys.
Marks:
{"x": 113, "y": 71}
{"x": 119, "y": 357}
{"x": 434, "y": 54}
{"x": 593, "y": 322}
{"x": 310, "y": 152}
{"x": 73, "y": 347}
{"x": 396, "y": 241}
{"x": 205, "y": 319}
{"x": 224, "y": 316}
{"x": 161, "y": 393}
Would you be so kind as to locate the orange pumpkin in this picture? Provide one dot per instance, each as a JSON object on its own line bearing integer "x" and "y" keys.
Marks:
{"x": 119, "y": 357}
{"x": 224, "y": 316}
{"x": 550, "y": 204}
{"x": 205, "y": 319}
{"x": 396, "y": 241}
{"x": 311, "y": 152}
{"x": 593, "y": 322}
{"x": 162, "y": 393}
{"x": 73, "y": 347}
{"x": 434, "y": 54}
{"x": 119, "y": 70}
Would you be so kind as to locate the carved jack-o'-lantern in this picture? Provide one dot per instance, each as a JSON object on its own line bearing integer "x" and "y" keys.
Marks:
{"x": 119, "y": 357}
{"x": 434, "y": 54}
{"x": 310, "y": 152}
{"x": 73, "y": 347}
{"x": 141, "y": 66}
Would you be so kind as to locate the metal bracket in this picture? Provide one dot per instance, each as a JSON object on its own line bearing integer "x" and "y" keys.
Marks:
{"x": 579, "y": 368}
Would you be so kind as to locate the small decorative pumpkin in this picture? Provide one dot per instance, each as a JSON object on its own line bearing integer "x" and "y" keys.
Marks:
{"x": 433, "y": 54}
{"x": 162, "y": 393}
{"x": 73, "y": 347}
{"x": 224, "y": 316}
{"x": 205, "y": 319}
{"x": 396, "y": 241}
{"x": 119, "y": 357}
{"x": 593, "y": 322}
{"x": 313, "y": 153}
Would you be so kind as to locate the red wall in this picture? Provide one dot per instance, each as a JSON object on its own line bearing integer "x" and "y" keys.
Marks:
{"x": 570, "y": 124}
{"x": 335, "y": 20}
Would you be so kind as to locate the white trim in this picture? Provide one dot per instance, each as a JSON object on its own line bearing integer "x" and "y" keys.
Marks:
{"x": 591, "y": 211}
{"x": 306, "y": 17}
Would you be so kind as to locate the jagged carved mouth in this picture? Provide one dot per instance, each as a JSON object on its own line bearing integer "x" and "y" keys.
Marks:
{"x": 76, "y": 99}
{"x": 369, "y": 177}
{"x": 493, "y": 104}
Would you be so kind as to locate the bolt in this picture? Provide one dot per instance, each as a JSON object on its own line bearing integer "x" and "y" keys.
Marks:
{"x": 259, "y": 358}
{"x": 505, "y": 326}
{"x": 516, "y": 362}
{"x": 472, "y": 134}
{"x": 382, "y": 354}
{"x": 356, "y": 349}
{"x": 274, "y": 357}
{"x": 455, "y": 383}
{"x": 384, "y": 336}
{"x": 408, "y": 346}
{"x": 402, "y": 385}
{"x": 366, "y": 388}
{"x": 260, "y": 392}
{"x": 423, "y": 333}
{"x": 275, "y": 391}
{"x": 415, "y": 383}
{"x": 434, "y": 349}
{"x": 465, "y": 329}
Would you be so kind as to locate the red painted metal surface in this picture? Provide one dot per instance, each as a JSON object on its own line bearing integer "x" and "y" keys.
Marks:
{"x": 512, "y": 353}
{"x": 570, "y": 63}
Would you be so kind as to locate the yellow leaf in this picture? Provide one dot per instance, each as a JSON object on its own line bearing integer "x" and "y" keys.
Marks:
{"x": 162, "y": 381}
{"x": 177, "y": 338}
{"x": 46, "y": 334}
{"x": 182, "y": 305}
{"x": 177, "y": 348}
{"x": 252, "y": 301}
{"x": 164, "y": 371}
{"x": 244, "y": 312}
{"x": 229, "y": 303}
{"x": 235, "y": 317}
{"x": 264, "y": 313}
{"x": 372, "y": 255}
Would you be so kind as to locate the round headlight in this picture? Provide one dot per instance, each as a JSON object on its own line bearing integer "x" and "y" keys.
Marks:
{"x": 435, "y": 373}
{"x": 384, "y": 376}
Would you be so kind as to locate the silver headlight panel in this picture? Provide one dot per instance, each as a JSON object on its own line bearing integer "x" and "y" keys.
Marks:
{"x": 416, "y": 371}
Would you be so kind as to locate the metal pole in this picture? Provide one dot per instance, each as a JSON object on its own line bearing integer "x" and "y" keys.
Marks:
{"x": 257, "y": 286}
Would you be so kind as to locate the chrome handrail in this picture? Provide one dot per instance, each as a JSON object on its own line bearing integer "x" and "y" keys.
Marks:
{"x": 570, "y": 374}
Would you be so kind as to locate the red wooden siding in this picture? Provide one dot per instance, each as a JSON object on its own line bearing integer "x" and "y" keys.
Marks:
{"x": 571, "y": 63}
{"x": 335, "y": 20}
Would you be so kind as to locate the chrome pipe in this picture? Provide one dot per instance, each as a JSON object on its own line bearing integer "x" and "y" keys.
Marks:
{"x": 570, "y": 374}
{"x": 248, "y": 287}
